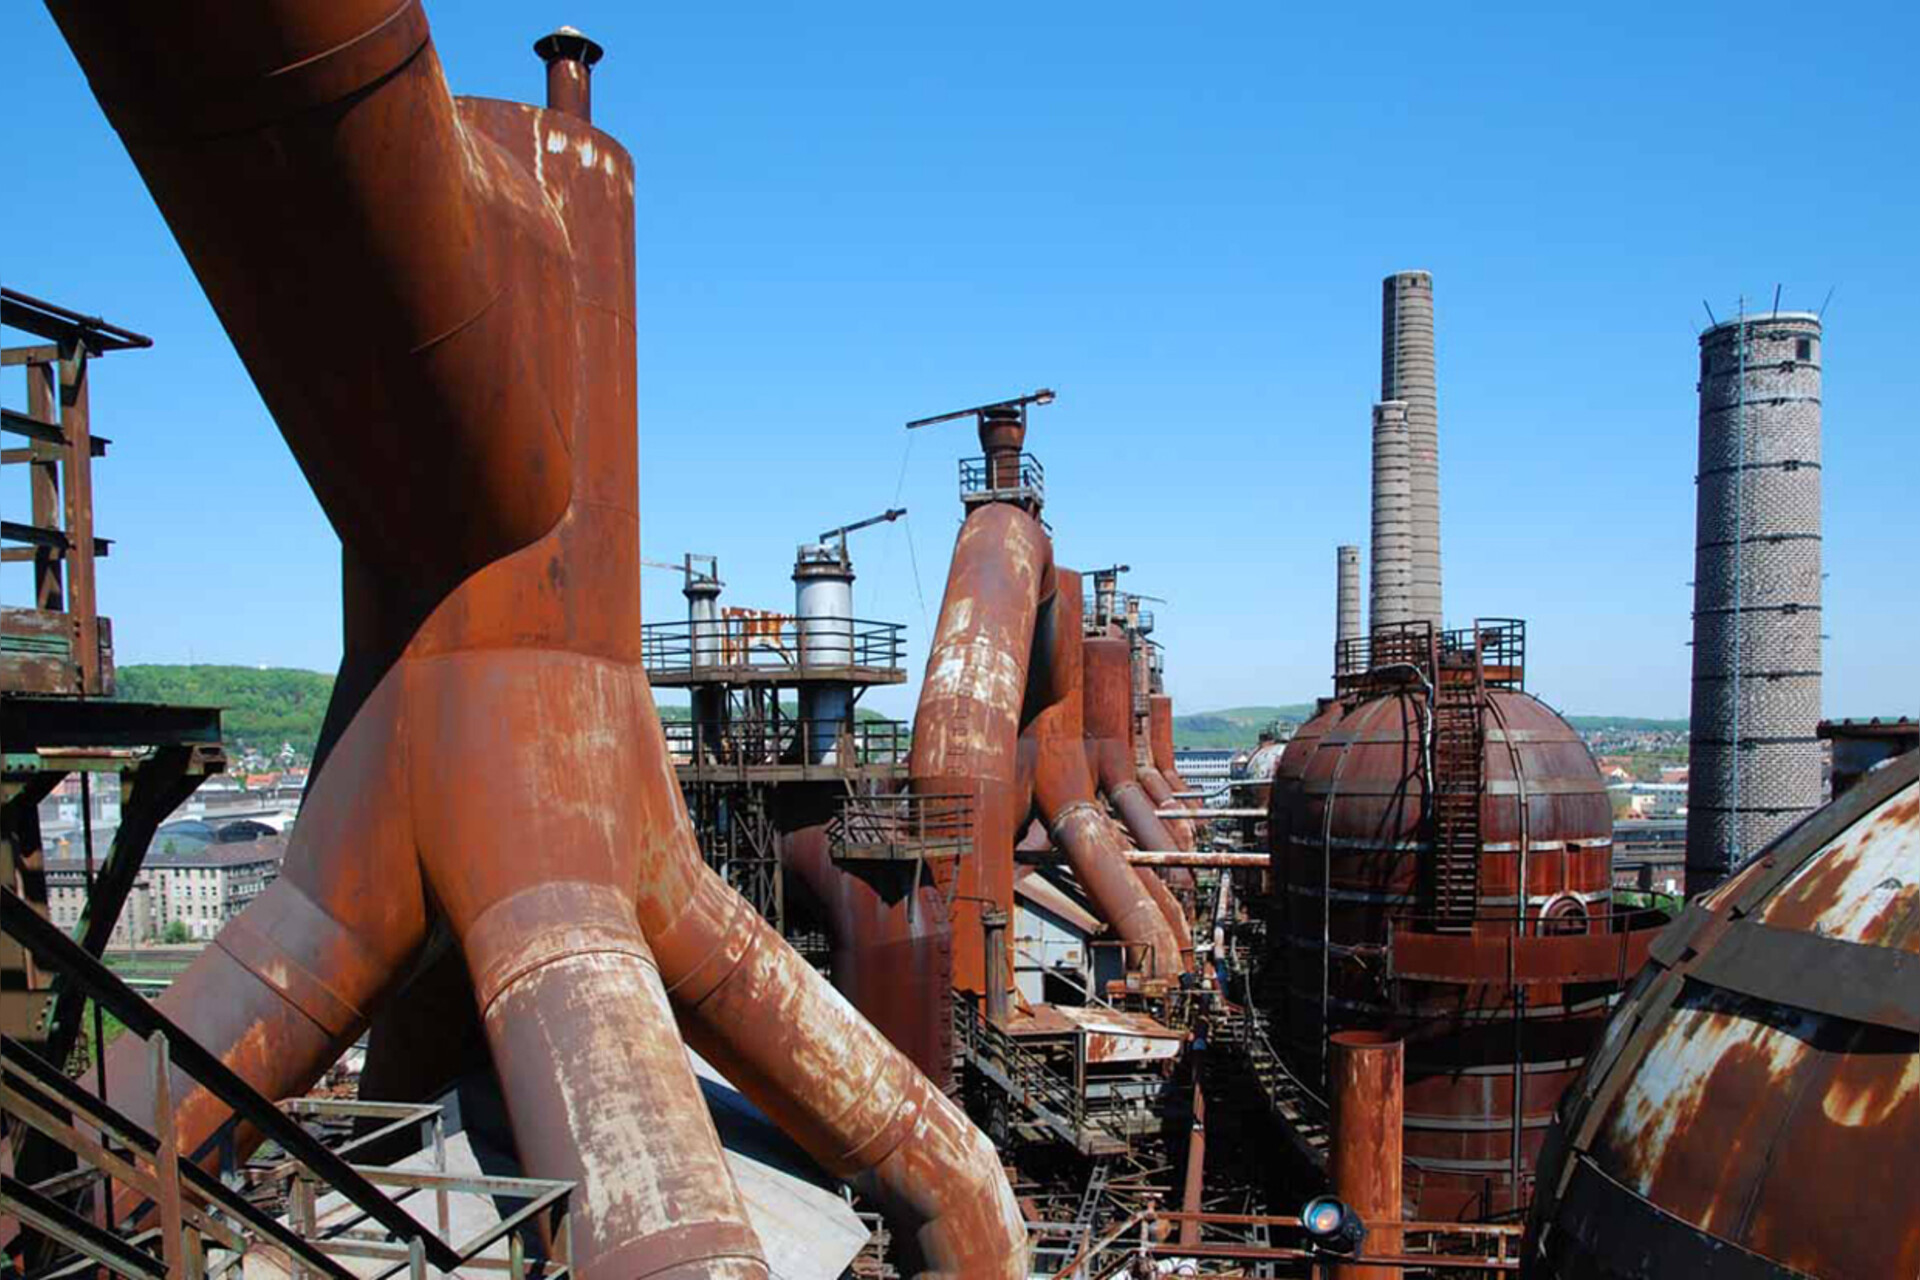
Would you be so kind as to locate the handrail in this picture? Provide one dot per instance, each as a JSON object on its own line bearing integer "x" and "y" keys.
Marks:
{"x": 787, "y": 741}
{"x": 1147, "y": 1242}
{"x": 903, "y": 824}
{"x": 981, "y": 479}
{"x": 770, "y": 643}
{"x": 58, "y": 952}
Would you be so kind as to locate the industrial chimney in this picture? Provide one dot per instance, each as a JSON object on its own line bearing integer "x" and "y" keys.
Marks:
{"x": 1346, "y": 605}
{"x": 1391, "y": 595}
{"x": 1407, "y": 374}
{"x": 1755, "y": 762}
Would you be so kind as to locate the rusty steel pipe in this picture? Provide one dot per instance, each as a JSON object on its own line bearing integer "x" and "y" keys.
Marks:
{"x": 451, "y": 358}
{"x": 966, "y": 738}
{"x": 1107, "y": 710}
{"x": 773, "y": 1026}
{"x": 1193, "y": 1184}
{"x": 1203, "y": 858}
{"x": 1160, "y": 793}
{"x": 327, "y": 191}
{"x": 1160, "y": 753}
{"x": 1108, "y": 706}
{"x": 1366, "y": 1071}
{"x": 890, "y": 945}
{"x": 1064, "y": 795}
{"x": 569, "y": 57}
{"x": 1160, "y": 723}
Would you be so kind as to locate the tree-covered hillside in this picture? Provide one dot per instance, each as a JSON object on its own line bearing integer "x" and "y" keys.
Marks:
{"x": 1235, "y": 726}
{"x": 261, "y": 707}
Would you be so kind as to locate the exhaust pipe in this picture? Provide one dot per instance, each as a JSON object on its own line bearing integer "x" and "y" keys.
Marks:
{"x": 449, "y": 353}
{"x": 966, "y": 730}
{"x": 1107, "y": 704}
{"x": 1064, "y": 794}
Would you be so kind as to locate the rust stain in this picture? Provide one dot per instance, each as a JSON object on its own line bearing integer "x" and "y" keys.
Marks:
{"x": 1864, "y": 886}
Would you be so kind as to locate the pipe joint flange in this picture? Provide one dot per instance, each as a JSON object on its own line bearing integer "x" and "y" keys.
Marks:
{"x": 543, "y": 924}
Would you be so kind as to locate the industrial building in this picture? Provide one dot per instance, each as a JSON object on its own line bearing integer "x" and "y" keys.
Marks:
{"x": 548, "y": 983}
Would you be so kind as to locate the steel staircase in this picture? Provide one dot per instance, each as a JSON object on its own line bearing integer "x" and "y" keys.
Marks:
{"x": 1459, "y": 752}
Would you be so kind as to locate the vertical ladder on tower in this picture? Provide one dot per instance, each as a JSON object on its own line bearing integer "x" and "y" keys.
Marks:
{"x": 1458, "y": 756}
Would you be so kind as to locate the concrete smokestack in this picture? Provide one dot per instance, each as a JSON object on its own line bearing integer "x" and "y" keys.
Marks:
{"x": 1392, "y": 574}
{"x": 1755, "y": 762}
{"x": 1407, "y": 374}
{"x": 1346, "y": 603}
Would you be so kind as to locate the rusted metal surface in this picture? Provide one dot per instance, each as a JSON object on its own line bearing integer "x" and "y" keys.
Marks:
{"x": 1063, "y": 789}
{"x": 450, "y": 357}
{"x": 967, "y": 725}
{"x": 891, "y": 947}
{"x": 62, "y": 645}
{"x": 1728, "y": 1122}
{"x": 1107, "y": 712}
{"x": 1366, "y": 1077}
{"x": 1193, "y": 1183}
{"x": 1497, "y": 1019}
{"x": 1108, "y": 707}
{"x": 1181, "y": 858}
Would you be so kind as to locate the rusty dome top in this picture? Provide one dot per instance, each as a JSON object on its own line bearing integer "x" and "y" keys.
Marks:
{"x": 1755, "y": 1106}
{"x": 1365, "y": 760}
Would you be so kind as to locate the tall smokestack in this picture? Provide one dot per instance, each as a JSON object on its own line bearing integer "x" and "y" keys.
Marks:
{"x": 1392, "y": 573}
{"x": 1755, "y": 762}
{"x": 1407, "y": 374}
{"x": 1346, "y": 604}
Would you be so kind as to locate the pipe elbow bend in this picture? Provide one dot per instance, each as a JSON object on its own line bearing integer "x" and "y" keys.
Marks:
{"x": 943, "y": 1181}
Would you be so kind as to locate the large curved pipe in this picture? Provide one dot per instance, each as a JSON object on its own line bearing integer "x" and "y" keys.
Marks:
{"x": 891, "y": 946}
{"x": 1064, "y": 793}
{"x": 787, "y": 1040}
{"x": 1107, "y": 712}
{"x": 321, "y": 181}
{"x": 450, "y": 355}
{"x": 1108, "y": 704}
{"x": 284, "y": 989}
{"x": 1160, "y": 748}
{"x": 966, "y": 729}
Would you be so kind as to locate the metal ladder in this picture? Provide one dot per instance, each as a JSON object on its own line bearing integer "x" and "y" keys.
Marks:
{"x": 1458, "y": 768}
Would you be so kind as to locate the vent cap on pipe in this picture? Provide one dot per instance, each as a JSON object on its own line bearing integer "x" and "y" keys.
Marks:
{"x": 569, "y": 56}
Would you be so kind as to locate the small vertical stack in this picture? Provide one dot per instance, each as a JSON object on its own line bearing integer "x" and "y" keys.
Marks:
{"x": 1346, "y": 605}
{"x": 1755, "y": 761}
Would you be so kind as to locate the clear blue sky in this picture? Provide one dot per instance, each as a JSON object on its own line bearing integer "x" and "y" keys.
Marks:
{"x": 1176, "y": 215}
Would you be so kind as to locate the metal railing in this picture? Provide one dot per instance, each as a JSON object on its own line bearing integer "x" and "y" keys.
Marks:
{"x": 1498, "y": 646}
{"x": 901, "y": 827}
{"x": 763, "y": 743}
{"x": 1046, "y": 1080}
{"x": 774, "y": 644}
{"x": 204, "y": 1227}
{"x": 1424, "y": 1246}
{"x": 984, "y": 480}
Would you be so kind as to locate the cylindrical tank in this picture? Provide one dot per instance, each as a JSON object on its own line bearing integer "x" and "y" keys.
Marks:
{"x": 1391, "y": 588}
{"x": 1755, "y": 1107}
{"x": 1350, "y": 845}
{"x": 1755, "y": 761}
{"x": 823, "y": 613}
{"x": 1346, "y": 605}
{"x": 1407, "y": 374}
{"x": 704, "y": 646}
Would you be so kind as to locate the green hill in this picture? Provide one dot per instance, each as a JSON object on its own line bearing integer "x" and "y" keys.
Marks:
{"x": 1626, "y": 724}
{"x": 1234, "y": 726}
{"x": 261, "y": 707}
